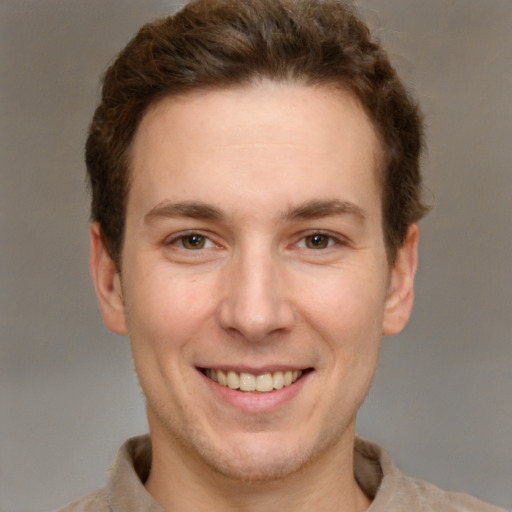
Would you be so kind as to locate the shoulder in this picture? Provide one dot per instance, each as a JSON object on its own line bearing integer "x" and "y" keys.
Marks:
{"x": 391, "y": 490}
{"x": 95, "y": 501}
{"x": 429, "y": 498}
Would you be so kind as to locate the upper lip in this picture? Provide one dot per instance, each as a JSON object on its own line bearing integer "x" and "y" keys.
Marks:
{"x": 260, "y": 370}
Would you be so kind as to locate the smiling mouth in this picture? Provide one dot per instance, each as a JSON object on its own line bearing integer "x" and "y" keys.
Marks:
{"x": 264, "y": 383}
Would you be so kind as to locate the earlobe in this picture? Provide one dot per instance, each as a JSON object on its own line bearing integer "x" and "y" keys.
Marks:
{"x": 106, "y": 283}
{"x": 401, "y": 285}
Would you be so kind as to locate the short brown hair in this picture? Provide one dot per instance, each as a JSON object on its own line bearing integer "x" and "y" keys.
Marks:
{"x": 226, "y": 43}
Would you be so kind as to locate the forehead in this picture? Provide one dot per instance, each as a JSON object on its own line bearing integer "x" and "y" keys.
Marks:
{"x": 253, "y": 137}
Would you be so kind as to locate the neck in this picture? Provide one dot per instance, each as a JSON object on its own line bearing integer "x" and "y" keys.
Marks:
{"x": 179, "y": 481}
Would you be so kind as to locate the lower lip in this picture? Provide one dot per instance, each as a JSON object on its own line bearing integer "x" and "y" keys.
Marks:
{"x": 256, "y": 402}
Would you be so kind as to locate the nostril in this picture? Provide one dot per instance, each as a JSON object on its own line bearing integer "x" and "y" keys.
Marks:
{"x": 256, "y": 324}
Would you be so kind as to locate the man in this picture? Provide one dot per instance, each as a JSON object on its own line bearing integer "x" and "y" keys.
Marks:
{"x": 255, "y": 191}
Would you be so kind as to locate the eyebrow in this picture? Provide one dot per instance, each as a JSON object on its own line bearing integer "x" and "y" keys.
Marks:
{"x": 317, "y": 209}
{"x": 193, "y": 209}
{"x": 314, "y": 209}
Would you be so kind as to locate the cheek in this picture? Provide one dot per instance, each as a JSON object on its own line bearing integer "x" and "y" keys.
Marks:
{"x": 165, "y": 311}
{"x": 345, "y": 302}
{"x": 162, "y": 320}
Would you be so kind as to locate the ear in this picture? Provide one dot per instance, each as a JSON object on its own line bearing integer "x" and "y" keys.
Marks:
{"x": 401, "y": 285}
{"x": 107, "y": 283}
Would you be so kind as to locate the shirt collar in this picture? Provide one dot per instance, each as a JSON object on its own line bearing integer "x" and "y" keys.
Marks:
{"x": 373, "y": 470}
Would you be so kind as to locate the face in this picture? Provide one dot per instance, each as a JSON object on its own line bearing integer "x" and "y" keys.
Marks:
{"x": 254, "y": 282}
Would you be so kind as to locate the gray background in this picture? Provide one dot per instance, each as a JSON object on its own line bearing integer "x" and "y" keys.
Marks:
{"x": 68, "y": 396}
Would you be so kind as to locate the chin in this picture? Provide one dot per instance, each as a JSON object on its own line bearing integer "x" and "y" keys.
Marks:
{"x": 260, "y": 457}
{"x": 257, "y": 463}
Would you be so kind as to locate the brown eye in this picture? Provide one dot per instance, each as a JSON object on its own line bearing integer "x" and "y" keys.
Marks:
{"x": 193, "y": 242}
{"x": 317, "y": 241}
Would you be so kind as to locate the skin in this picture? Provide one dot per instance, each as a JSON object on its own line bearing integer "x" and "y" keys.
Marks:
{"x": 261, "y": 174}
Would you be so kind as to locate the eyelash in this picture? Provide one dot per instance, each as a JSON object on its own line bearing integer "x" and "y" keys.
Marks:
{"x": 180, "y": 239}
{"x": 330, "y": 238}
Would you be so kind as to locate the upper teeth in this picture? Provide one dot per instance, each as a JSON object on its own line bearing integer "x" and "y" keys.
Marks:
{"x": 249, "y": 382}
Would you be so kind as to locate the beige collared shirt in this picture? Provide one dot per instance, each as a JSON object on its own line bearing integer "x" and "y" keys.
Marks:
{"x": 374, "y": 470}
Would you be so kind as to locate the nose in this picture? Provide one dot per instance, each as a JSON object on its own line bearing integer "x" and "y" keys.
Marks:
{"x": 255, "y": 305}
